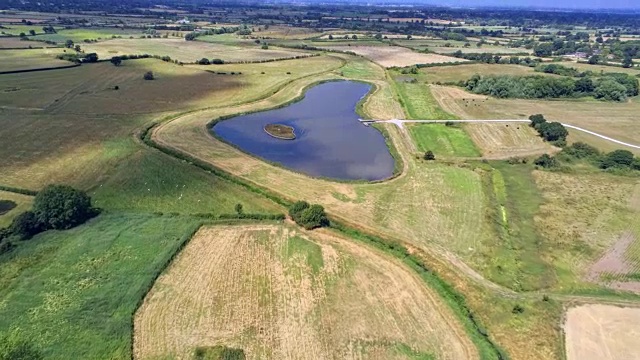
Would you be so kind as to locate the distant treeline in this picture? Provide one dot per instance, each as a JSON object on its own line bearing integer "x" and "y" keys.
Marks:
{"x": 610, "y": 86}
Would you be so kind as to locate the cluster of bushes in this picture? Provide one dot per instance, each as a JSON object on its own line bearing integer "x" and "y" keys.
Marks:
{"x": 308, "y": 216}
{"x": 489, "y": 58}
{"x": 550, "y": 131}
{"x": 57, "y": 207}
{"x": 223, "y": 30}
{"x": 610, "y": 87}
{"x": 79, "y": 57}
{"x": 205, "y": 61}
{"x": 614, "y": 160}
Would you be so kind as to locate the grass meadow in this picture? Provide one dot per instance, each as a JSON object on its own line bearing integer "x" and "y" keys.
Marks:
{"x": 73, "y": 293}
{"x": 443, "y": 140}
{"x": 418, "y": 102}
{"x": 11, "y": 60}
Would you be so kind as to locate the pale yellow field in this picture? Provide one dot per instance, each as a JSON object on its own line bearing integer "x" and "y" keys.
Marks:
{"x": 187, "y": 51}
{"x": 602, "y": 332}
{"x": 503, "y": 141}
{"x": 11, "y": 60}
{"x": 389, "y": 56}
{"x": 279, "y": 293}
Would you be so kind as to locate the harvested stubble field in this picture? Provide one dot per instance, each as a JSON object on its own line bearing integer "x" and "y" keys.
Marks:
{"x": 188, "y": 51}
{"x": 617, "y": 120}
{"x": 23, "y": 203}
{"x": 71, "y": 121}
{"x": 503, "y": 141}
{"x": 602, "y": 332}
{"x": 443, "y": 140}
{"x": 286, "y": 32}
{"x": 15, "y": 43}
{"x": 278, "y": 293}
{"x": 11, "y": 60}
{"x": 389, "y": 56}
{"x": 79, "y": 35}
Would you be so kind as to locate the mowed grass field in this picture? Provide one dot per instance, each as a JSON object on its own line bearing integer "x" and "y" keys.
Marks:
{"x": 11, "y": 60}
{"x": 389, "y": 56}
{"x": 443, "y": 140}
{"x": 73, "y": 293}
{"x": 418, "y": 102}
{"x": 616, "y": 120}
{"x": 503, "y": 141}
{"x": 188, "y": 51}
{"x": 17, "y": 43}
{"x": 277, "y": 292}
{"x": 71, "y": 122}
{"x": 463, "y": 72}
{"x": 80, "y": 35}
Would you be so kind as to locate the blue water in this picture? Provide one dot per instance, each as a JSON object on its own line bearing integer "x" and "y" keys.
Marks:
{"x": 330, "y": 141}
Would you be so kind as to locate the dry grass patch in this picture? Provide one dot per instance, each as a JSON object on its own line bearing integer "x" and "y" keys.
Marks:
{"x": 582, "y": 218}
{"x": 278, "y": 293}
{"x": 602, "y": 332}
{"x": 187, "y": 51}
{"x": 389, "y": 56}
{"x": 503, "y": 141}
{"x": 617, "y": 120}
{"x": 287, "y": 32}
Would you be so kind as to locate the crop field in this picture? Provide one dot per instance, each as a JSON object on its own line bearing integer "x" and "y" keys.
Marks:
{"x": 22, "y": 203}
{"x": 287, "y": 32}
{"x": 76, "y": 297}
{"x": 602, "y": 332}
{"x": 502, "y": 141}
{"x": 80, "y": 35}
{"x": 599, "y": 68}
{"x": 82, "y": 118}
{"x": 11, "y": 60}
{"x": 187, "y": 51}
{"x": 389, "y": 56}
{"x": 443, "y": 140}
{"x": 275, "y": 293}
{"x": 440, "y": 46}
{"x": 617, "y": 120}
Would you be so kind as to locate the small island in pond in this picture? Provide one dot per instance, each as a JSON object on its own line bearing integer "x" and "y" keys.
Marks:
{"x": 280, "y": 131}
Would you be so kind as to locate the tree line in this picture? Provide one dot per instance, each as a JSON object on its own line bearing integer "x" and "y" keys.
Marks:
{"x": 609, "y": 86}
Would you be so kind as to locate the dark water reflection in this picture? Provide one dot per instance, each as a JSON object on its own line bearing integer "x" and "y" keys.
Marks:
{"x": 330, "y": 141}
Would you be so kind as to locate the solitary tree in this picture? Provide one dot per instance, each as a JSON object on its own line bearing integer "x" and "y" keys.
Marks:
{"x": 116, "y": 60}
{"x": 429, "y": 155}
{"x": 68, "y": 44}
{"x": 239, "y": 209}
{"x": 32, "y": 32}
{"x": 148, "y": 75}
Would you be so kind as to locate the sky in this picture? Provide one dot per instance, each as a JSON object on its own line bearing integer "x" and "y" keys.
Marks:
{"x": 572, "y": 4}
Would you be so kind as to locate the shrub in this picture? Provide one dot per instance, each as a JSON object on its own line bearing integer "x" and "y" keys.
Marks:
{"x": 217, "y": 61}
{"x": 308, "y": 216}
{"x": 553, "y": 131}
{"x": 239, "y": 209}
{"x": 610, "y": 90}
{"x": 429, "y": 155}
{"x": 546, "y": 161}
{"x": 148, "y": 75}
{"x": 517, "y": 309}
{"x": 116, "y": 60}
{"x": 26, "y": 225}
{"x": 581, "y": 150}
{"x": 617, "y": 158}
{"x": 62, "y": 207}
{"x": 204, "y": 61}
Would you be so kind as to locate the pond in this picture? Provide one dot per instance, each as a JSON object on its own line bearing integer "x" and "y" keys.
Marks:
{"x": 329, "y": 140}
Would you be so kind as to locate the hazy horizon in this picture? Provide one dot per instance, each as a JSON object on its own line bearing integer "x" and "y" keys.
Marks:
{"x": 569, "y": 4}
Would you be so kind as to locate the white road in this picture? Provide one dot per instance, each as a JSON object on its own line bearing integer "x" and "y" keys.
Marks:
{"x": 400, "y": 123}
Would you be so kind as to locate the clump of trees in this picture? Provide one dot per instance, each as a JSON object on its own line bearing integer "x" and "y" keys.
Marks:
{"x": 58, "y": 207}
{"x": 308, "y": 216}
{"x": 550, "y": 131}
{"x": 621, "y": 160}
{"x": 609, "y": 86}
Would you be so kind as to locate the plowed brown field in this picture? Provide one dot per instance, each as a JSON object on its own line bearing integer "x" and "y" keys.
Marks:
{"x": 282, "y": 294}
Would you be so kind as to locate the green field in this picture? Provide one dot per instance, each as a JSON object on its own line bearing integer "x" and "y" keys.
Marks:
{"x": 79, "y": 35}
{"x": 73, "y": 293}
{"x": 11, "y": 60}
{"x": 443, "y": 140}
{"x": 419, "y": 103}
